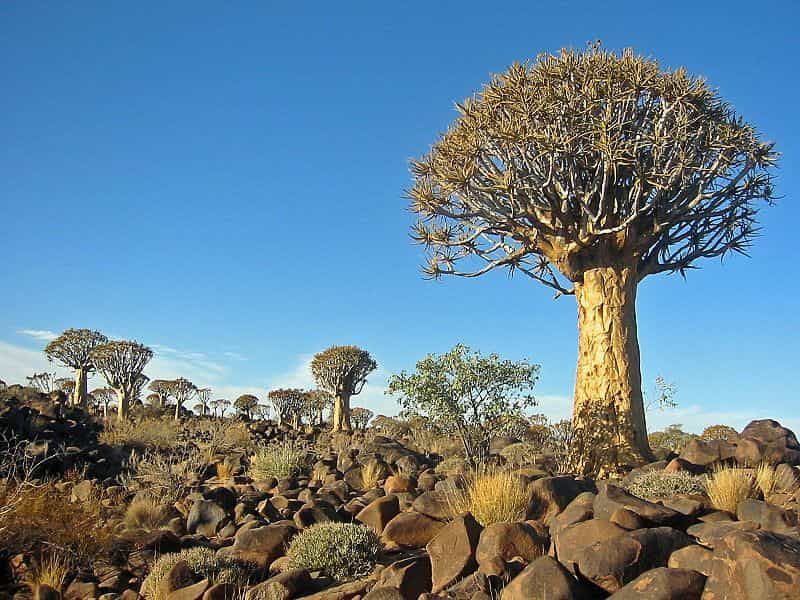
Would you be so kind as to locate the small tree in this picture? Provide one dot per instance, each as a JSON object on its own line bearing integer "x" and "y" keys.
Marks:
{"x": 43, "y": 382}
{"x": 288, "y": 404}
{"x": 122, "y": 363}
{"x": 161, "y": 387}
{"x": 203, "y": 398}
{"x": 316, "y": 403}
{"x": 361, "y": 417}
{"x": 182, "y": 390}
{"x": 245, "y": 404}
{"x": 342, "y": 372}
{"x": 73, "y": 349}
{"x": 105, "y": 396}
{"x": 587, "y": 172}
{"x": 468, "y": 395}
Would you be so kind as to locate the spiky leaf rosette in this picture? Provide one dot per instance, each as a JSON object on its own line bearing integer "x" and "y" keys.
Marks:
{"x": 588, "y": 157}
{"x": 73, "y": 348}
{"x": 342, "y": 369}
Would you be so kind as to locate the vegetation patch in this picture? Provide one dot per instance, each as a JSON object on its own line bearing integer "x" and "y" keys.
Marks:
{"x": 343, "y": 551}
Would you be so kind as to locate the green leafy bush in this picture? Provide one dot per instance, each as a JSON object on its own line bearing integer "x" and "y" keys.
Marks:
{"x": 342, "y": 551}
{"x": 203, "y": 562}
{"x": 279, "y": 460}
{"x": 653, "y": 485}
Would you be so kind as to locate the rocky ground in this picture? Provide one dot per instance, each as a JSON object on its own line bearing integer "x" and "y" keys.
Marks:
{"x": 579, "y": 538}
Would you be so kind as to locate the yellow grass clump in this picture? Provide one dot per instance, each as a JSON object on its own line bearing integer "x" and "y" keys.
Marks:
{"x": 51, "y": 571}
{"x": 492, "y": 497}
{"x": 371, "y": 473}
{"x": 146, "y": 513}
{"x": 728, "y": 486}
{"x": 770, "y": 481}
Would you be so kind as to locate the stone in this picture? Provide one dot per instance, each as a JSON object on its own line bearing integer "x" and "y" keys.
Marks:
{"x": 385, "y": 593}
{"x": 262, "y": 545}
{"x": 501, "y": 543}
{"x": 679, "y": 464}
{"x": 410, "y": 576}
{"x": 707, "y": 452}
{"x": 580, "y": 509}
{"x": 221, "y": 591}
{"x": 411, "y": 529}
{"x": 78, "y": 590}
{"x": 708, "y": 534}
{"x": 663, "y": 583}
{"x": 768, "y": 516}
{"x": 190, "y": 592}
{"x": 378, "y": 513}
{"x": 205, "y": 517}
{"x": 45, "y": 592}
{"x": 179, "y": 576}
{"x": 432, "y": 504}
{"x": 452, "y": 551}
{"x": 751, "y": 565}
{"x": 780, "y": 444}
{"x": 551, "y": 495}
{"x": 610, "y": 498}
{"x": 614, "y": 562}
{"x": 570, "y": 541}
{"x": 544, "y": 579}
{"x": 284, "y": 586}
{"x": 627, "y": 519}
{"x": 395, "y": 484}
{"x": 688, "y": 505}
{"x": 692, "y": 557}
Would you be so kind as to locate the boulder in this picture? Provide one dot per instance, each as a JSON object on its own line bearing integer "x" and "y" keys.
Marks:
{"x": 411, "y": 529}
{"x": 663, "y": 583}
{"x": 580, "y": 509}
{"x": 768, "y": 516}
{"x": 500, "y": 543}
{"x": 611, "y": 498}
{"x": 410, "y": 576}
{"x": 284, "y": 586}
{"x": 379, "y": 512}
{"x": 452, "y": 551}
{"x": 262, "y": 545}
{"x": 692, "y": 557}
{"x": 179, "y": 576}
{"x": 707, "y": 452}
{"x": 385, "y": 593}
{"x": 614, "y": 562}
{"x": 432, "y": 504}
{"x": 190, "y": 592}
{"x": 751, "y": 565}
{"x": 205, "y": 518}
{"x": 543, "y": 579}
{"x": 570, "y": 541}
{"x": 221, "y": 591}
{"x": 395, "y": 484}
{"x": 551, "y": 495}
{"x": 708, "y": 534}
{"x": 780, "y": 444}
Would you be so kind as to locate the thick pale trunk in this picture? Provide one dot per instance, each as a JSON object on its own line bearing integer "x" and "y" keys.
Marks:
{"x": 124, "y": 402}
{"x": 320, "y": 419}
{"x": 79, "y": 394}
{"x": 341, "y": 413}
{"x": 177, "y": 410}
{"x": 608, "y": 414}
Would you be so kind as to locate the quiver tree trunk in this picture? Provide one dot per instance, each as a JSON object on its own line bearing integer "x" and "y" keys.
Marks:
{"x": 124, "y": 405}
{"x": 79, "y": 394}
{"x": 608, "y": 417}
{"x": 341, "y": 412}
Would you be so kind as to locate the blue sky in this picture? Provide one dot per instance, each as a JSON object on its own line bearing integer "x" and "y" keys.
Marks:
{"x": 225, "y": 182}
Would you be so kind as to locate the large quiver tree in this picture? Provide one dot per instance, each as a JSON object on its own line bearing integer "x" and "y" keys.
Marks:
{"x": 288, "y": 404}
{"x": 342, "y": 372}
{"x": 588, "y": 172}
{"x": 122, "y": 363}
{"x": 73, "y": 349}
{"x": 182, "y": 390}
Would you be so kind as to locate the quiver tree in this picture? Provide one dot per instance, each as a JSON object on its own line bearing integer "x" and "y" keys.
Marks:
{"x": 161, "y": 387}
{"x": 342, "y": 372}
{"x": 316, "y": 403}
{"x": 44, "y": 382}
{"x": 245, "y": 405}
{"x": 66, "y": 385}
{"x": 288, "y": 404}
{"x": 73, "y": 349}
{"x": 587, "y": 172}
{"x": 203, "y": 396}
{"x": 122, "y": 363}
{"x": 182, "y": 390}
{"x": 360, "y": 417}
{"x": 105, "y": 396}
{"x": 220, "y": 404}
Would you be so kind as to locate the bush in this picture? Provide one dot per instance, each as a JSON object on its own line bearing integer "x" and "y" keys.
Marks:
{"x": 654, "y": 485}
{"x": 491, "y": 497}
{"x": 278, "y": 460}
{"x": 143, "y": 433}
{"x": 164, "y": 476}
{"x": 521, "y": 453}
{"x": 203, "y": 562}
{"x": 728, "y": 486}
{"x": 342, "y": 551}
{"x": 146, "y": 513}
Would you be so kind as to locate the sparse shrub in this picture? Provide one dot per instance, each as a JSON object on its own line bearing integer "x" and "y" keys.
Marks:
{"x": 654, "y": 485}
{"x": 673, "y": 438}
{"x": 51, "y": 571}
{"x": 203, "y": 562}
{"x": 342, "y": 551}
{"x": 371, "y": 473}
{"x": 164, "y": 476}
{"x": 519, "y": 454}
{"x": 452, "y": 466}
{"x": 728, "y": 486}
{"x": 491, "y": 497}
{"x": 154, "y": 433}
{"x": 719, "y": 432}
{"x": 146, "y": 512}
{"x": 279, "y": 460}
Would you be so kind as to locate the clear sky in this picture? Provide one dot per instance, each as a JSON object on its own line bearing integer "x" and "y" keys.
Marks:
{"x": 225, "y": 182}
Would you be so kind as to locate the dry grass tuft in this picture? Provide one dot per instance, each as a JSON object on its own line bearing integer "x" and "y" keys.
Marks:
{"x": 770, "y": 481}
{"x": 146, "y": 513}
{"x": 728, "y": 486}
{"x": 371, "y": 473}
{"x": 145, "y": 433}
{"x": 278, "y": 460}
{"x": 492, "y": 497}
{"x": 51, "y": 571}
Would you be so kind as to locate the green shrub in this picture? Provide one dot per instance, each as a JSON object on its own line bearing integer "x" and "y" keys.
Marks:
{"x": 653, "y": 485}
{"x": 278, "y": 460}
{"x": 342, "y": 551}
{"x": 203, "y": 562}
